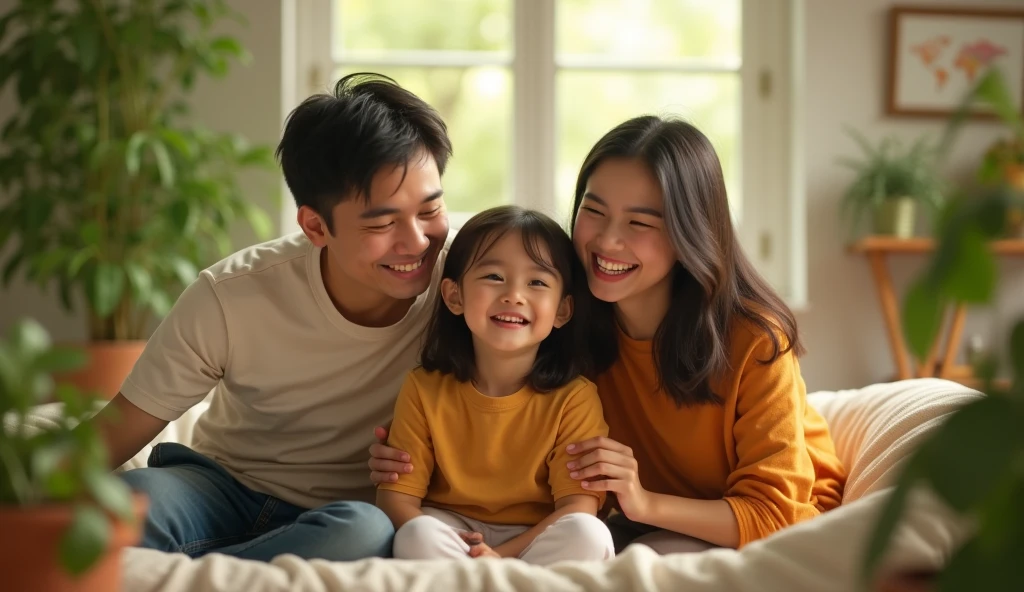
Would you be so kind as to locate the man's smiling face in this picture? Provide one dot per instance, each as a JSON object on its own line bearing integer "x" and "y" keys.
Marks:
{"x": 384, "y": 249}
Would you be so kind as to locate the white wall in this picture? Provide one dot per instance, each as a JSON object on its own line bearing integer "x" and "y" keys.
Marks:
{"x": 846, "y": 64}
{"x": 247, "y": 101}
{"x": 846, "y": 67}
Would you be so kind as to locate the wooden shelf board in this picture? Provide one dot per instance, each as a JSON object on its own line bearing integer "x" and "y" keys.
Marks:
{"x": 889, "y": 244}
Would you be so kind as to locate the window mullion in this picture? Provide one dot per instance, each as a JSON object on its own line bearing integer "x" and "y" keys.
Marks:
{"x": 533, "y": 72}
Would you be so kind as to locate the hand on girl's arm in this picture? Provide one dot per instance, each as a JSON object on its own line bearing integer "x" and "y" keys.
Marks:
{"x": 613, "y": 463}
{"x": 569, "y": 504}
{"x": 386, "y": 463}
{"x": 399, "y": 507}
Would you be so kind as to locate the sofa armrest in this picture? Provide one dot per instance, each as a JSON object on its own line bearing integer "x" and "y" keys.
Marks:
{"x": 877, "y": 427}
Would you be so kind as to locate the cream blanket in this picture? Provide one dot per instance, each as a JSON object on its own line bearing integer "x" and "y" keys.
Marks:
{"x": 874, "y": 428}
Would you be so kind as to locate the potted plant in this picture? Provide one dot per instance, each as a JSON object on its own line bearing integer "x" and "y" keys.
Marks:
{"x": 65, "y": 516}
{"x": 975, "y": 461}
{"x": 889, "y": 182}
{"x": 1003, "y": 163}
{"x": 113, "y": 197}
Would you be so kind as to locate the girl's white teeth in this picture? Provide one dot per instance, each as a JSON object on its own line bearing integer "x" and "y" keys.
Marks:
{"x": 614, "y": 268}
{"x": 510, "y": 319}
{"x": 407, "y": 267}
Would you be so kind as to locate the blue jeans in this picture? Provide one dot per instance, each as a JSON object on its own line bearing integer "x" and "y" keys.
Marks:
{"x": 197, "y": 507}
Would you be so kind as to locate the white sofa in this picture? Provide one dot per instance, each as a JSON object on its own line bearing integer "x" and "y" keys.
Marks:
{"x": 875, "y": 428}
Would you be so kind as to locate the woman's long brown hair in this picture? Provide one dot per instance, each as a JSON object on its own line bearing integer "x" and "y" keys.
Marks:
{"x": 713, "y": 281}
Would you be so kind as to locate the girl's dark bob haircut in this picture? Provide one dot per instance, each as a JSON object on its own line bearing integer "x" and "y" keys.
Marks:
{"x": 563, "y": 355}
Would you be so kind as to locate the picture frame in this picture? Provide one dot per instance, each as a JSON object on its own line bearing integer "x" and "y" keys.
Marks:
{"x": 936, "y": 55}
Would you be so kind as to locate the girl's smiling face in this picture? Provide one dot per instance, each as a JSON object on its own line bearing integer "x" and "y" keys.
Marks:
{"x": 510, "y": 301}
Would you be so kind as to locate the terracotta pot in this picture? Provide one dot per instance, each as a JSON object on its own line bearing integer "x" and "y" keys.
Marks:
{"x": 29, "y": 556}
{"x": 895, "y": 217}
{"x": 108, "y": 366}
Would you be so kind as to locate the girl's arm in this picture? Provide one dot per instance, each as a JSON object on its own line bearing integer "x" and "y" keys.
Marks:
{"x": 400, "y": 507}
{"x": 567, "y": 505}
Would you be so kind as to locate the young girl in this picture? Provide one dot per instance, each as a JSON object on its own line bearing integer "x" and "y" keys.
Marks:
{"x": 488, "y": 417}
{"x": 712, "y": 442}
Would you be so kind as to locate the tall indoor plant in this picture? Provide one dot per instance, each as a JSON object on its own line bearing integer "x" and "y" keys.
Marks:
{"x": 890, "y": 180}
{"x": 65, "y": 517}
{"x": 975, "y": 461}
{"x": 112, "y": 195}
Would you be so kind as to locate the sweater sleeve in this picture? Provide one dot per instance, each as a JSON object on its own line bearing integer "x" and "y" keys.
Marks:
{"x": 410, "y": 433}
{"x": 771, "y": 486}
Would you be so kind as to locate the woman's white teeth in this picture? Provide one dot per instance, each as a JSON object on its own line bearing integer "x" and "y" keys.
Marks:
{"x": 506, "y": 319}
{"x": 614, "y": 268}
{"x": 407, "y": 267}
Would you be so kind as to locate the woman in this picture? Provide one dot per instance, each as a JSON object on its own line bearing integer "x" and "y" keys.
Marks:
{"x": 711, "y": 440}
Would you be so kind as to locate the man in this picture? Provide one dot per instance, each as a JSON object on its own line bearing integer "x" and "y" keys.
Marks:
{"x": 304, "y": 342}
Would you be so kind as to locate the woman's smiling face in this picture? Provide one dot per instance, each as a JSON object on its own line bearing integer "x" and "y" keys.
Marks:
{"x": 619, "y": 232}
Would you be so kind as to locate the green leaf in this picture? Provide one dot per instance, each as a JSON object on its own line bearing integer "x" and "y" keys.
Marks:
{"x": 110, "y": 492}
{"x": 161, "y": 304}
{"x": 61, "y": 485}
{"x": 12, "y": 266}
{"x": 964, "y": 475}
{"x": 86, "y": 44}
{"x": 227, "y": 45}
{"x": 260, "y": 222}
{"x": 106, "y": 288}
{"x": 972, "y": 276}
{"x": 48, "y": 457}
{"x": 79, "y": 259}
{"x": 133, "y": 154}
{"x": 90, "y": 233}
{"x": 163, "y": 163}
{"x": 60, "y": 360}
{"x": 140, "y": 279}
{"x": 972, "y": 568}
{"x": 47, "y": 262}
{"x": 177, "y": 141}
{"x": 86, "y": 540}
{"x": 184, "y": 269}
{"x": 887, "y": 522}
{"x": 182, "y": 216}
{"x": 30, "y": 338}
{"x": 992, "y": 90}
{"x": 922, "y": 317}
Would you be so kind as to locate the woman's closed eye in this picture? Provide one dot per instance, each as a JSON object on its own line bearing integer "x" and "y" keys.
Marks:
{"x": 591, "y": 210}
{"x": 640, "y": 224}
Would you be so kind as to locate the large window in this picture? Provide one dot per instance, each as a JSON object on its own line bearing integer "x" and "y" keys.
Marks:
{"x": 528, "y": 86}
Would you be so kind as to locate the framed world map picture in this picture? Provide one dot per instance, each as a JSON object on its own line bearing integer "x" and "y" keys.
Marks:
{"x": 937, "y": 55}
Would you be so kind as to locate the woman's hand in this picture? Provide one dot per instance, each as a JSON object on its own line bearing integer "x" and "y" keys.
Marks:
{"x": 610, "y": 466}
{"x": 386, "y": 462}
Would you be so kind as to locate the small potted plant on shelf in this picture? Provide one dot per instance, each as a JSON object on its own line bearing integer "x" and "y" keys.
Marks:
{"x": 1003, "y": 163}
{"x": 114, "y": 197}
{"x": 975, "y": 460}
{"x": 890, "y": 181}
{"x": 65, "y": 516}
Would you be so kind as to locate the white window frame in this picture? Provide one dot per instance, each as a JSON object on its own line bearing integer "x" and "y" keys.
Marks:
{"x": 773, "y": 225}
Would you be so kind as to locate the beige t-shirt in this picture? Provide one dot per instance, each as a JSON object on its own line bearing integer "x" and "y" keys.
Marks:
{"x": 297, "y": 388}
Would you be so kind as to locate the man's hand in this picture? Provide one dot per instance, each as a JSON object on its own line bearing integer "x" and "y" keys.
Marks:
{"x": 477, "y": 547}
{"x": 386, "y": 462}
